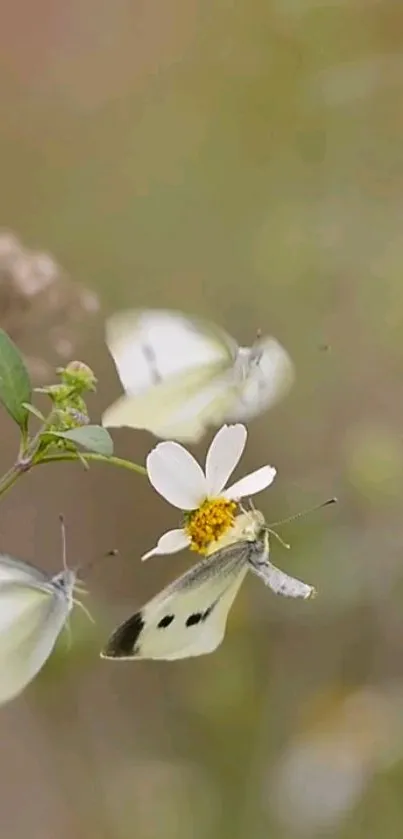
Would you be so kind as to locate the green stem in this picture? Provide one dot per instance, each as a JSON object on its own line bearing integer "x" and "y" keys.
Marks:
{"x": 114, "y": 461}
{"x": 10, "y": 477}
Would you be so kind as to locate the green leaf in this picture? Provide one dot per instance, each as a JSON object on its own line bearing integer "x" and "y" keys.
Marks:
{"x": 34, "y": 411}
{"x": 15, "y": 385}
{"x": 91, "y": 437}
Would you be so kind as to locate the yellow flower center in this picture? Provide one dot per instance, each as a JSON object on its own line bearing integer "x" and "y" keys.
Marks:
{"x": 206, "y": 524}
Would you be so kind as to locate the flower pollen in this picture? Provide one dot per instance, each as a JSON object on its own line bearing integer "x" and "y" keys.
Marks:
{"x": 206, "y": 524}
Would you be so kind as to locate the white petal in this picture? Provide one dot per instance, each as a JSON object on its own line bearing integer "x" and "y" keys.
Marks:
{"x": 223, "y": 455}
{"x": 250, "y": 484}
{"x": 176, "y": 475}
{"x": 169, "y": 543}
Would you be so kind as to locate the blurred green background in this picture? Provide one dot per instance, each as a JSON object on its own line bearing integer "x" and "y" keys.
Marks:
{"x": 241, "y": 161}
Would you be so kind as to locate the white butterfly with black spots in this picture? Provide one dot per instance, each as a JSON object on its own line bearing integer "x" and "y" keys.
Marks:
{"x": 188, "y": 618}
{"x": 182, "y": 375}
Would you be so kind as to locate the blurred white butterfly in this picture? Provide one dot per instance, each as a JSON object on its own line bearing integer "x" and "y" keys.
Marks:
{"x": 181, "y": 374}
{"x": 34, "y": 608}
{"x": 188, "y": 618}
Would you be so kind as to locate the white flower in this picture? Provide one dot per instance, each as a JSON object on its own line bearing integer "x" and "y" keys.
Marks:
{"x": 209, "y": 507}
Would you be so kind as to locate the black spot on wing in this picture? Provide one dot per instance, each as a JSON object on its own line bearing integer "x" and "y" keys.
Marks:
{"x": 151, "y": 360}
{"x": 122, "y": 642}
{"x": 165, "y": 621}
{"x": 197, "y": 617}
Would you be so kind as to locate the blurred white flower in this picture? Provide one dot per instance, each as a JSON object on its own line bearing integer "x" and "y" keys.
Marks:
{"x": 208, "y": 505}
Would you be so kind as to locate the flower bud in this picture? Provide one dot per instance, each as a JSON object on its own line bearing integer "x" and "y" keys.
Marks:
{"x": 78, "y": 375}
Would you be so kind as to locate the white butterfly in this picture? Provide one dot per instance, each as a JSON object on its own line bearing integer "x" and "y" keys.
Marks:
{"x": 34, "y": 608}
{"x": 181, "y": 374}
{"x": 188, "y": 618}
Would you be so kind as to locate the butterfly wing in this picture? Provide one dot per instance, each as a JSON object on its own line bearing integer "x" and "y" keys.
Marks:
{"x": 172, "y": 369}
{"x": 32, "y": 616}
{"x": 13, "y": 570}
{"x": 179, "y": 410}
{"x": 152, "y": 346}
{"x": 265, "y": 374}
{"x": 188, "y": 618}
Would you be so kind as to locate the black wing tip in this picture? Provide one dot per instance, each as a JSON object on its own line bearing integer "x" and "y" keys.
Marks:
{"x": 122, "y": 643}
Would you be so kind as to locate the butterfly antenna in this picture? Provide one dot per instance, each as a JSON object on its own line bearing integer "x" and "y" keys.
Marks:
{"x": 88, "y": 565}
{"x": 64, "y": 542}
{"x": 304, "y": 512}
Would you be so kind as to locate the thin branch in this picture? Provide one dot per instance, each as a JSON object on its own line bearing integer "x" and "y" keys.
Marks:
{"x": 101, "y": 458}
